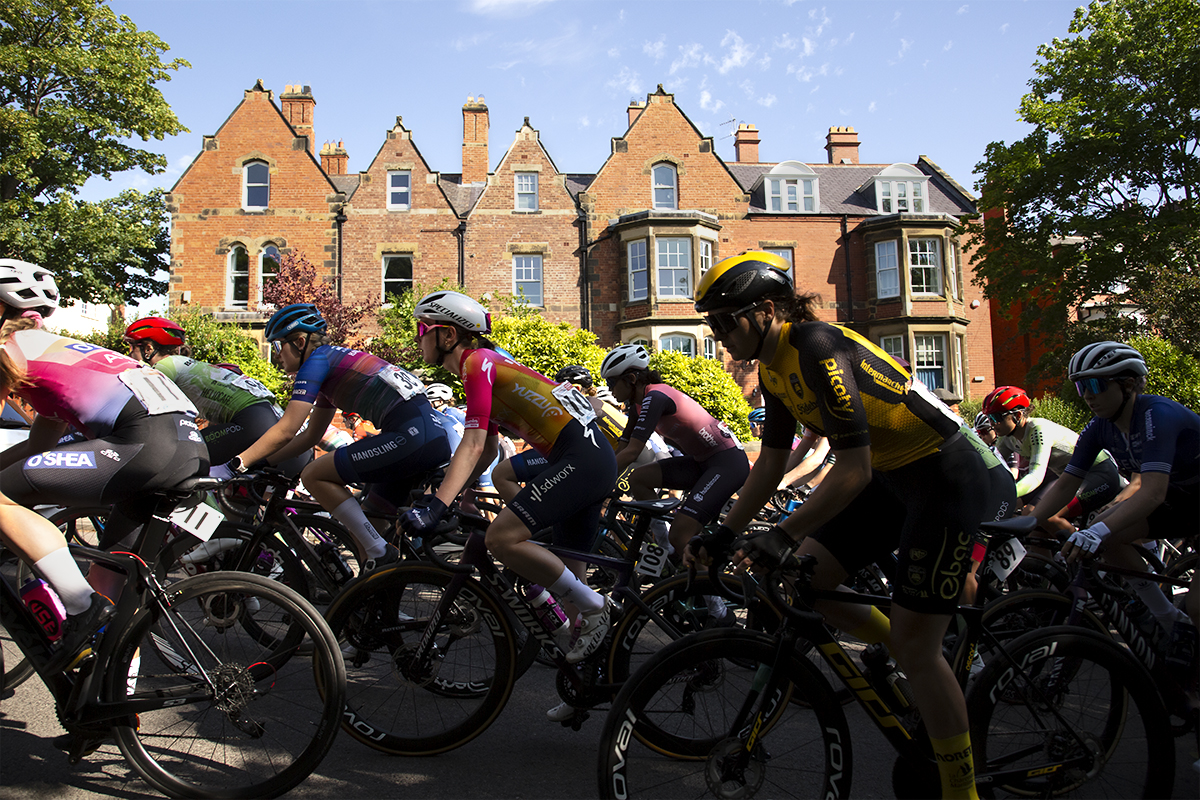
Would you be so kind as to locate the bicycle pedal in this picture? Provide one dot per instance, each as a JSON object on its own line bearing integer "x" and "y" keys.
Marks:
{"x": 576, "y": 721}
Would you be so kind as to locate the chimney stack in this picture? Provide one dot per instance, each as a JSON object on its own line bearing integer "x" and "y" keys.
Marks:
{"x": 298, "y": 104}
{"x": 842, "y": 144}
{"x": 745, "y": 144}
{"x": 636, "y": 107}
{"x": 334, "y": 158}
{"x": 475, "y": 141}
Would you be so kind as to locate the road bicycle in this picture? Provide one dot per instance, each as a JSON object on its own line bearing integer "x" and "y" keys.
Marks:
{"x": 741, "y": 713}
{"x": 220, "y": 685}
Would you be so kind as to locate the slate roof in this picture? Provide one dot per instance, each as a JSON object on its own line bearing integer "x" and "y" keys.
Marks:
{"x": 346, "y": 184}
{"x": 577, "y": 183}
{"x": 461, "y": 196}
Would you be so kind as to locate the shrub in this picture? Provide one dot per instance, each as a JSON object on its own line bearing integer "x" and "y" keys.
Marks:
{"x": 707, "y": 382}
{"x": 297, "y": 282}
{"x": 1057, "y": 409}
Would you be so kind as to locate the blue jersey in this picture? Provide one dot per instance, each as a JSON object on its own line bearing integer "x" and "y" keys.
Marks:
{"x": 358, "y": 382}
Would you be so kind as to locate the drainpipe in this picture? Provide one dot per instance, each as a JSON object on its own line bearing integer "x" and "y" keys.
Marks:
{"x": 585, "y": 298}
{"x": 460, "y": 233}
{"x": 339, "y": 219}
{"x": 849, "y": 284}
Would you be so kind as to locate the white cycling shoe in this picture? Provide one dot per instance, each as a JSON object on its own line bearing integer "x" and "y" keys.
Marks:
{"x": 593, "y": 625}
{"x": 561, "y": 712}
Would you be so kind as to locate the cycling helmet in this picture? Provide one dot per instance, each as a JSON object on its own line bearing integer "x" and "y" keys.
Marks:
{"x": 575, "y": 373}
{"x": 296, "y": 318}
{"x": 605, "y": 394}
{"x": 27, "y": 286}
{"x": 454, "y": 308}
{"x": 741, "y": 280}
{"x": 983, "y": 422}
{"x": 624, "y": 358}
{"x": 1107, "y": 360}
{"x": 758, "y": 415}
{"x": 1003, "y": 399}
{"x": 155, "y": 329}
{"x": 439, "y": 391}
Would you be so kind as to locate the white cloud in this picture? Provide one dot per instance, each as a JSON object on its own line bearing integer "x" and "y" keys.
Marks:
{"x": 820, "y": 20}
{"x": 767, "y": 101}
{"x": 849, "y": 38}
{"x": 949, "y": 44}
{"x": 614, "y": 52}
{"x": 810, "y": 46}
{"x": 626, "y": 81}
{"x": 896, "y": 17}
{"x": 584, "y": 122}
{"x": 505, "y": 7}
{"x": 707, "y": 103}
{"x": 905, "y": 45}
{"x": 470, "y": 42}
{"x": 785, "y": 42}
{"x": 844, "y": 112}
{"x": 689, "y": 56}
{"x": 962, "y": 10}
{"x": 656, "y": 50}
{"x": 803, "y": 74}
{"x": 764, "y": 63}
{"x": 871, "y": 108}
{"x": 1004, "y": 28}
{"x": 739, "y": 53}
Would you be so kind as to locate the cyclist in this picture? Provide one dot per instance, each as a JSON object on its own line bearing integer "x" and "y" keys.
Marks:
{"x": 713, "y": 464}
{"x": 1046, "y": 447}
{"x": 904, "y": 479}
{"x": 238, "y": 408}
{"x": 1156, "y": 441}
{"x": 557, "y": 421}
{"x": 328, "y": 378}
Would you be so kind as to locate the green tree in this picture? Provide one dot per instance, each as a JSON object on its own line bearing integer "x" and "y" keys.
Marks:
{"x": 706, "y": 381}
{"x": 397, "y": 339}
{"x": 77, "y": 88}
{"x": 1100, "y": 201}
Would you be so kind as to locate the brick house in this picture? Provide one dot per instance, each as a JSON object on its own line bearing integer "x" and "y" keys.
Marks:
{"x": 618, "y": 252}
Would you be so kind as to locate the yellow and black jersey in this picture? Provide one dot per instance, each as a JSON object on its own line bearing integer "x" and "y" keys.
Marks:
{"x": 611, "y": 422}
{"x": 839, "y": 384}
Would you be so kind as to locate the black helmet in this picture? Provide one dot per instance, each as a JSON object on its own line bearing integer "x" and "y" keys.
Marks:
{"x": 575, "y": 373}
{"x": 741, "y": 280}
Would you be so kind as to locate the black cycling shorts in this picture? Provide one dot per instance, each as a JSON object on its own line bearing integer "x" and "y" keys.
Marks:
{"x": 394, "y": 461}
{"x": 528, "y": 464}
{"x": 247, "y": 427}
{"x": 710, "y": 483}
{"x": 567, "y": 492}
{"x": 929, "y": 511}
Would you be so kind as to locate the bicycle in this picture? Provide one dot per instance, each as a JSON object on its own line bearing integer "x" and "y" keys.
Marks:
{"x": 219, "y": 685}
{"x": 742, "y": 713}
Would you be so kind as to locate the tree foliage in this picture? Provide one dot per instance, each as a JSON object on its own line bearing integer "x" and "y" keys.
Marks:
{"x": 78, "y": 87}
{"x": 297, "y": 282}
{"x": 1100, "y": 201}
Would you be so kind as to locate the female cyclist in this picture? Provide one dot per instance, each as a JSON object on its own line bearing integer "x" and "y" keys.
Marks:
{"x": 557, "y": 421}
{"x": 904, "y": 479}
{"x": 410, "y": 443}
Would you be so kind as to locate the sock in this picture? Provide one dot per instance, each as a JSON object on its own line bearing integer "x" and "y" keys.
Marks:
{"x": 955, "y": 766}
{"x": 350, "y": 514}
{"x": 716, "y": 606}
{"x": 61, "y": 572}
{"x": 661, "y": 532}
{"x": 573, "y": 590}
{"x": 877, "y": 628}
{"x": 1155, "y": 600}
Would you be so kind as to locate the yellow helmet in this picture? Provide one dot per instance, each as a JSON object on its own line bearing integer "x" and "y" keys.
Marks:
{"x": 740, "y": 280}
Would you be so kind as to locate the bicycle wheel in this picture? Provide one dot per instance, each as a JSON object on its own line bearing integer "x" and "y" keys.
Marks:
{"x": 686, "y": 701}
{"x": 15, "y": 669}
{"x": 400, "y": 704}
{"x": 257, "y": 720}
{"x": 1064, "y": 693}
{"x": 341, "y": 564}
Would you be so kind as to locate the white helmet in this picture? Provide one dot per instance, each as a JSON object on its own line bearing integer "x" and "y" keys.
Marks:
{"x": 454, "y": 308}
{"x": 1106, "y": 360}
{"x": 605, "y": 394}
{"x": 622, "y": 359}
{"x": 439, "y": 391}
{"x": 28, "y": 286}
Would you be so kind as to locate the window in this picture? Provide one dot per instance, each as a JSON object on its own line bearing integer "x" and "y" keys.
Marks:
{"x": 642, "y": 341}
{"x": 397, "y": 275}
{"x": 674, "y": 267}
{"x": 929, "y": 359}
{"x": 238, "y": 285}
{"x": 792, "y": 195}
{"x": 952, "y": 272}
{"x": 639, "y": 275}
{"x": 527, "y": 191}
{"x": 960, "y": 369}
{"x": 901, "y": 196}
{"x": 256, "y": 185}
{"x": 678, "y": 342}
{"x": 924, "y": 266}
{"x": 710, "y": 347}
{"x": 706, "y": 255}
{"x": 527, "y": 279}
{"x": 268, "y": 268}
{"x": 893, "y": 346}
{"x": 887, "y": 270}
{"x": 399, "y": 190}
{"x": 664, "y": 187}
{"x": 786, "y": 254}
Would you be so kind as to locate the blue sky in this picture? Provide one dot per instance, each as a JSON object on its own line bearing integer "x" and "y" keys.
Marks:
{"x": 930, "y": 77}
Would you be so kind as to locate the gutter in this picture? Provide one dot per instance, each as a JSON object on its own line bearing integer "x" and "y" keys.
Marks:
{"x": 849, "y": 283}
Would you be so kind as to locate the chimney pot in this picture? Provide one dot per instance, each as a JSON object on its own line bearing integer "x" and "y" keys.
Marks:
{"x": 298, "y": 110}
{"x": 745, "y": 144}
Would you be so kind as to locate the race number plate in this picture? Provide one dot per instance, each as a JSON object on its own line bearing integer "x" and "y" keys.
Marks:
{"x": 1006, "y": 557}
{"x": 200, "y": 520}
{"x": 652, "y": 561}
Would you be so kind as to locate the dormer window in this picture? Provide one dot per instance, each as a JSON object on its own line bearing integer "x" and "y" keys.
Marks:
{"x": 665, "y": 185}
{"x": 901, "y": 189}
{"x": 256, "y": 185}
{"x": 791, "y": 188}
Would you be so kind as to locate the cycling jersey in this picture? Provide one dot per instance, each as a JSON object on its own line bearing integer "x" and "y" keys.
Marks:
{"x": 1047, "y": 448}
{"x": 354, "y": 381}
{"x": 839, "y": 384}
{"x": 610, "y": 420}
{"x": 218, "y": 393}
{"x": 681, "y": 420}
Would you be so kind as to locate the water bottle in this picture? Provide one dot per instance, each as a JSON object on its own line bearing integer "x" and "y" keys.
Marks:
{"x": 45, "y": 606}
{"x": 335, "y": 565}
{"x": 546, "y": 607}
{"x": 885, "y": 679}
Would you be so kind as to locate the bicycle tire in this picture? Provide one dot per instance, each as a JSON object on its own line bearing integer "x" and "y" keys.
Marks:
{"x": 15, "y": 669}
{"x": 682, "y": 702}
{"x": 270, "y": 717}
{"x": 400, "y": 708}
{"x": 1108, "y": 700}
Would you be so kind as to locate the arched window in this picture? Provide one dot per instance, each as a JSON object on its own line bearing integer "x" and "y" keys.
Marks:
{"x": 238, "y": 283}
{"x": 680, "y": 342}
{"x": 268, "y": 268}
{"x": 665, "y": 186}
{"x": 256, "y": 185}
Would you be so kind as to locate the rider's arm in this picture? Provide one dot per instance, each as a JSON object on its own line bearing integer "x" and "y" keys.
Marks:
{"x": 813, "y": 449}
{"x": 629, "y": 453}
{"x": 44, "y": 434}
{"x": 282, "y": 432}
{"x": 310, "y": 437}
{"x": 476, "y": 444}
{"x": 1039, "y": 459}
{"x": 848, "y": 476}
{"x": 1057, "y": 496}
{"x": 1122, "y": 518}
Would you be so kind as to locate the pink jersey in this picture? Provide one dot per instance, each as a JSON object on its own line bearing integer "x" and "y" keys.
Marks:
{"x": 86, "y": 385}
{"x": 682, "y": 421}
{"x": 502, "y": 392}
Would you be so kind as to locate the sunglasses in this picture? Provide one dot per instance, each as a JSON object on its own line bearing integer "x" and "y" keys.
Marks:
{"x": 424, "y": 328}
{"x": 1093, "y": 385}
{"x": 995, "y": 418}
{"x": 725, "y": 321}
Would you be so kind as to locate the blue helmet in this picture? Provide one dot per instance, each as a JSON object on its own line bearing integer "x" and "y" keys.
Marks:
{"x": 758, "y": 415}
{"x": 296, "y": 318}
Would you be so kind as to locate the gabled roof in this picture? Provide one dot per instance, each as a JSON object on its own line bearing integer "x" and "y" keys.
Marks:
{"x": 346, "y": 184}
{"x": 577, "y": 183}
{"x": 462, "y": 197}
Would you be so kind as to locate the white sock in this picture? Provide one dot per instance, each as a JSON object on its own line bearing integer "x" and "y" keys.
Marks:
{"x": 1155, "y": 600}
{"x": 716, "y": 606}
{"x": 662, "y": 534}
{"x": 570, "y": 588}
{"x": 61, "y": 571}
{"x": 350, "y": 514}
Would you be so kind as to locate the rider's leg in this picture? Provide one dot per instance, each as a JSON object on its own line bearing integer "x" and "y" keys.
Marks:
{"x": 505, "y": 481}
{"x": 323, "y": 482}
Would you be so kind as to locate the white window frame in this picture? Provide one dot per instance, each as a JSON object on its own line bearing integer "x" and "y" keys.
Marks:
{"x": 235, "y": 272}
{"x": 925, "y": 265}
{"x": 389, "y": 190}
{"x": 887, "y": 269}
{"x": 643, "y": 341}
{"x": 792, "y": 195}
{"x": 960, "y": 368}
{"x": 673, "y": 260}
{"x": 909, "y": 197}
{"x": 528, "y": 273}
{"x": 383, "y": 278}
{"x": 670, "y": 202}
{"x": 528, "y": 192}
{"x": 639, "y": 265}
{"x": 710, "y": 347}
{"x": 672, "y": 341}
{"x": 952, "y": 271}
{"x": 929, "y": 355}
{"x": 247, "y": 185}
{"x": 264, "y": 255}
{"x": 893, "y": 345}
{"x": 706, "y": 255}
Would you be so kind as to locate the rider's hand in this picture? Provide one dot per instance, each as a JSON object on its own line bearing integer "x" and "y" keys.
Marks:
{"x": 706, "y": 546}
{"x": 764, "y": 549}
{"x": 220, "y": 472}
{"x": 421, "y": 518}
{"x": 1085, "y": 543}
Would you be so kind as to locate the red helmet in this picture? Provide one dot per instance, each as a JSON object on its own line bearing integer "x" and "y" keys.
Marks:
{"x": 156, "y": 329}
{"x": 1004, "y": 399}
